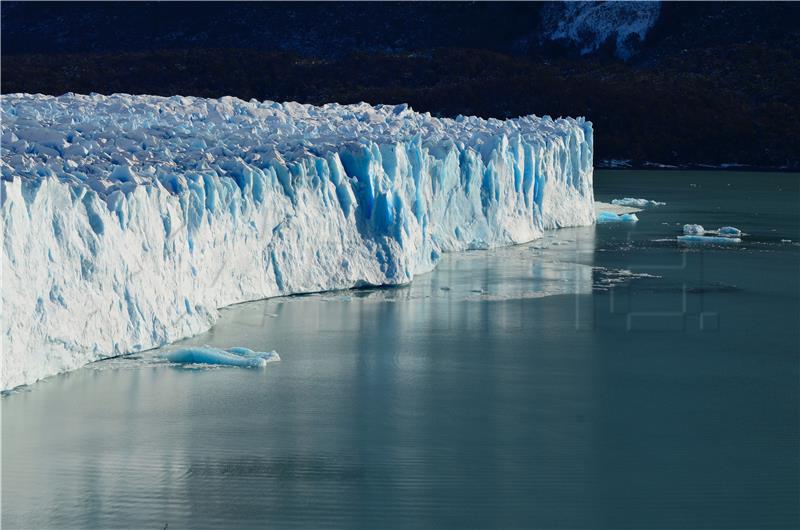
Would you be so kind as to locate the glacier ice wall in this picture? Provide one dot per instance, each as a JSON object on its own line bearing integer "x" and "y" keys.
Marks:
{"x": 129, "y": 220}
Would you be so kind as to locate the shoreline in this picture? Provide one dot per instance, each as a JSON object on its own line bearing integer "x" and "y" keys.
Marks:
{"x": 626, "y": 165}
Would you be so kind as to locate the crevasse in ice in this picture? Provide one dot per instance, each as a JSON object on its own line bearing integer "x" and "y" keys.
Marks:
{"x": 129, "y": 220}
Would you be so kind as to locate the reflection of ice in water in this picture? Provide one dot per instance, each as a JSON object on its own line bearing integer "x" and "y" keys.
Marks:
{"x": 469, "y": 289}
{"x": 557, "y": 264}
{"x": 560, "y": 263}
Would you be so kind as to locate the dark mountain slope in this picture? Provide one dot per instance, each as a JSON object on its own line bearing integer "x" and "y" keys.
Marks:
{"x": 710, "y": 83}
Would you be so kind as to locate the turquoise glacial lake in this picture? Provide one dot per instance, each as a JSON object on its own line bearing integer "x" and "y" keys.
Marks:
{"x": 600, "y": 377}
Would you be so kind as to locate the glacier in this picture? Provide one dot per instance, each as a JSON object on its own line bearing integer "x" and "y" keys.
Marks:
{"x": 128, "y": 221}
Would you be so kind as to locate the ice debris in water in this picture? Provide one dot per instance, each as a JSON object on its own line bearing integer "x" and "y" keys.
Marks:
{"x": 726, "y": 232}
{"x": 729, "y": 231}
{"x": 708, "y": 240}
{"x": 611, "y": 217}
{"x": 638, "y": 203}
{"x": 129, "y": 220}
{"x": 605, "y": 278}
{"x": 236, "y": 356}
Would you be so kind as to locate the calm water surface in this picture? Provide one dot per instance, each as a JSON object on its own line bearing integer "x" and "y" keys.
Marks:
{"x": 601, "y": 377}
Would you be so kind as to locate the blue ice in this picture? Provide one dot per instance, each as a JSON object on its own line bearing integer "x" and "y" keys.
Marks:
{"x": 236, "y": 356}
{"x": 611, "y": 217}
{"x": 725, "y": 232}
{"x": 729, "y": 231}
{"x": 708, "y": 240}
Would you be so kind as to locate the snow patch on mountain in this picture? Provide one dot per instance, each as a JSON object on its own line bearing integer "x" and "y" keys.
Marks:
{"x": 589, "y": 25}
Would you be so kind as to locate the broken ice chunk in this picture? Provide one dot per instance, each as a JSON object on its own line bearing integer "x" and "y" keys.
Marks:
{"x": 236, "y": 356}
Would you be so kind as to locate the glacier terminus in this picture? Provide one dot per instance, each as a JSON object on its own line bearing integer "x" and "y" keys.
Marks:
{"x": 128, "y": 221}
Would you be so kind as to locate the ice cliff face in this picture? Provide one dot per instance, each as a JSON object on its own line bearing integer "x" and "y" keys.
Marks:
{"x": 129, "y": 220}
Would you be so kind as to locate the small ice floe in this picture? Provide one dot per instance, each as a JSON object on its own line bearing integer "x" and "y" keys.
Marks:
{"x": 611, "y": 217}
{"x": 614, "y": 163}
{"x": 708, "y": 240}
{"x": 693, "y": 230}
{"x": 636, "y": 203}
{"x": 604, "y": 278}
{"x": 242, "y": 357}
{"x": 729, "y": 231}
{"x": 619, "y": 209}
{"x": 659, "y": 165}
{"x": 697, "y": 235}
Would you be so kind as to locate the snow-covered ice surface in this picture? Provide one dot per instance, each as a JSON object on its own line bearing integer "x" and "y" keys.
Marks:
{"x": 129, "y": 220}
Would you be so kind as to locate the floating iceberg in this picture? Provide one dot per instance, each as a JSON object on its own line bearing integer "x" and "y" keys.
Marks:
{"x": 129, "y": 220}
{"x": 708, "y": 240}
{"x": 637, "y": 203}
{"x": 724, "y": 232}
{"x": 696, "y": 230}
{"x": 242, "y": 357}
{"x": 611, "y": 217}
{"x": 729, "y": 231}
